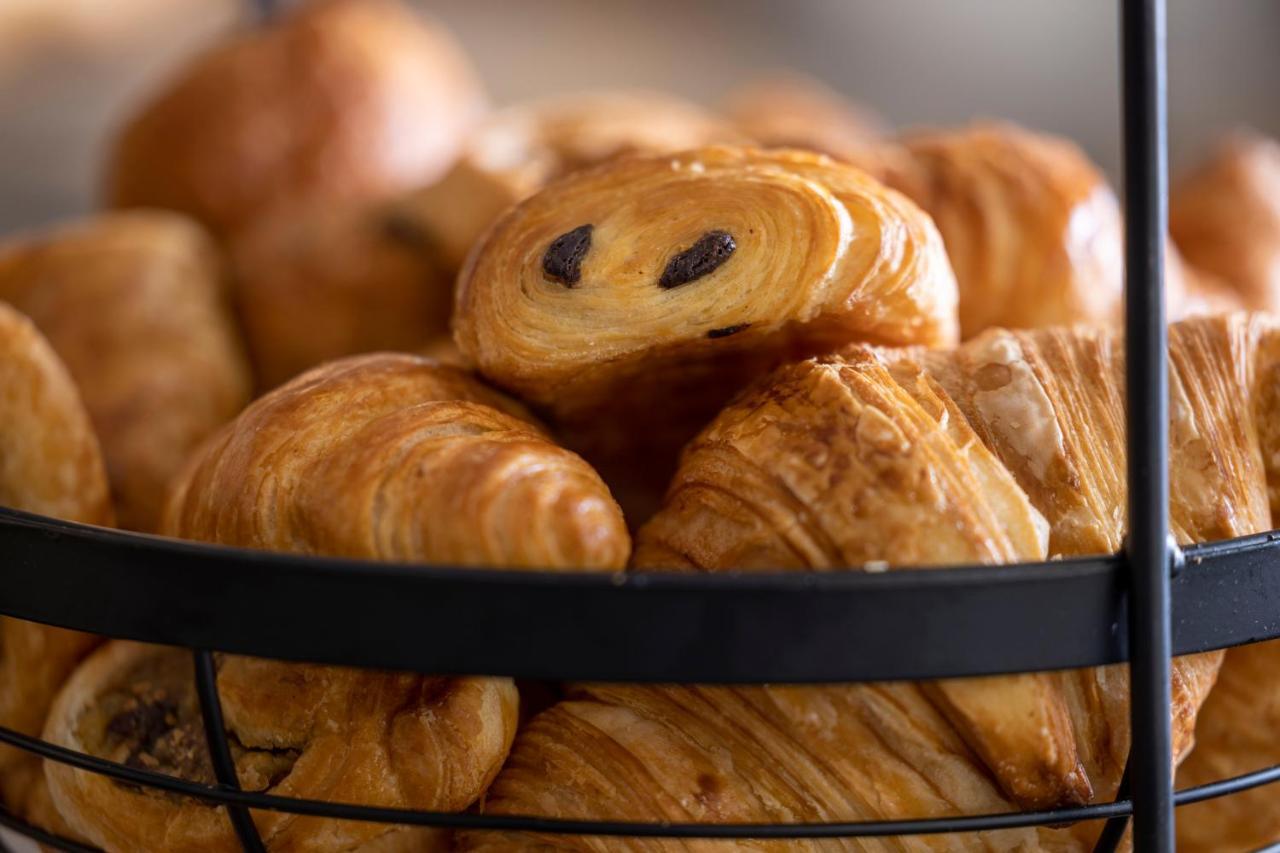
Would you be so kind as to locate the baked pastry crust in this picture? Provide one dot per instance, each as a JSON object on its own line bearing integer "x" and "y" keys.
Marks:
{"x": 1009, "y": 448}
{"x": 339, "y": 101}
{"x": 1225, "y": 217}
{"x": 135, "y": 305}
{"x": 50, "y": 464}
{"x": 788, "y": 109}
{"x": 518, "y": 150}
{"x": 324, "y": 282}
{"x": 390, "y": 457}
{"x": 676, "y": 304}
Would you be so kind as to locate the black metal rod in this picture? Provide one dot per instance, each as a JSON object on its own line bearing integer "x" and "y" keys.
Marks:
{"x": 42, "y": 836}
{"x": 224, "y": 768}
{"x": 531, "y": 823}
{"x": 1113, "y": 831}
{"x": 1143, "y": 58}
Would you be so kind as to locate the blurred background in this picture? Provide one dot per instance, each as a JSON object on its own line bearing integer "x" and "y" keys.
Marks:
{"x": 69, "y": 69}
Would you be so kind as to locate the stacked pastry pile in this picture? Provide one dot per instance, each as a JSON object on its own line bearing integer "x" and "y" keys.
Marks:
{"x": 607, "y": 331}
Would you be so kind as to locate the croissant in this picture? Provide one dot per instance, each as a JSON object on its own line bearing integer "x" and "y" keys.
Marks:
{"x": 1008, "y": 448}
{"x": 1225, "y": 217}
{"x": 630, "y": 301}
{"x": 49, "y": 464}
{"x": 341, "y": 100}
{"x": 390, "y": 457}
{"x": 792, "y": 110}
{"x": 134, "y": 304}
{"x": 519, "y": 150}
{"x": 364, "y": 278}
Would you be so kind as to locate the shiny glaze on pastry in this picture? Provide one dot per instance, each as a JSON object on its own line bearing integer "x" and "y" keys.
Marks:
{"x": 50, "y": 465}
{"x": 390, "y": 457}
{"x": 519, "y": 150}
{"x": 1225, "y": 217}
{"x": 632, "y": 300}
{"x": 134, "y": 304}
{"x": 340, "y": 100}
{"x": 318, "y": 283}
{"x": 1009, "y": 448}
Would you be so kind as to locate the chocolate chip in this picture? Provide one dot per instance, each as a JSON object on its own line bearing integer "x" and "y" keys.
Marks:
{"x": 727, "y": 331}
{"x": 702, "y": 258}
{"x": 563, "y": 260}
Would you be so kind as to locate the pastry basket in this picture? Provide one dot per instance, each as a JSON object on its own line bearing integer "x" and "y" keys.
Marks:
{"x": 1141, "y": 606}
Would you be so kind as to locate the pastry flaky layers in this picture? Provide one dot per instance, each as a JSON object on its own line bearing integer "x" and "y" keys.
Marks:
{"x": 1009, "y": 448}
{"x": 631, "y": 300}
{"x": 381, "y": 456}
{"x": 135, "y": 305}
{"x": 49, "y": 464}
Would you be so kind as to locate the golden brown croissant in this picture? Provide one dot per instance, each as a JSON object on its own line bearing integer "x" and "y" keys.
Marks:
{"x": 134, "y": 304}
{"x": 519, "y": 150}
{"x": 1009, "y": 448}
{"x": 1225, "y": 217}
{"x": 788, "y": 109}
{"x": 632, "y": 300}
{"x": 49, "y": 464}
{"x": 323, "y": 282}
{"x": 383, "y": 456}
{"x": 342, "y": 100}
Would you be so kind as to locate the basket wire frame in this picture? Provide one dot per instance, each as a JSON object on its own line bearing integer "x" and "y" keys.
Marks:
{"x": 1147, "y": 788}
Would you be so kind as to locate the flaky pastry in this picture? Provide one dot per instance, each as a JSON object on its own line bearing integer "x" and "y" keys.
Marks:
{"x": 1225, "y": 217}
{"x": 630, "y": 301}
{"x": 1009, "y": 448}
{"x": 49, "y": 464}
{"x": 519, "y": 150}
{"x": 135, "y": 305}
{"x": 389, "y": 457}
{"x": 787, "y": 109}
{"x": 338, "y": 101}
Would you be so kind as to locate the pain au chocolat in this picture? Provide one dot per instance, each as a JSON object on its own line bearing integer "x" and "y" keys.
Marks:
{"x": 135, "y": 304}
{"x": 630, "y": 301}
{"x": 1009, "y": 448}
{"x": 337, "y": 101}
{"x": 50, "y": 465}
{"x": 389, "y": 457}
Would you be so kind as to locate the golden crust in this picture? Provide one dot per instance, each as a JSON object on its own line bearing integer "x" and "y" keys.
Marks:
{"x": 319, "y": 283}
{"x": 603, "y": 354}
{"x": 1031, "y": 227}
{"x": 134, "y": 304}
{"x": 399, "y": 740}
{"x": 519, "y": 150}
{"x": 874, "y": 458}
{"x": 390, "y": 457}
{"x": 49, "y": 464}
{"x": 350, "y": 458}
{"x": 342, "y": 100}
{"x": 788, "y": 109}
{"x": 1225, "y": 217}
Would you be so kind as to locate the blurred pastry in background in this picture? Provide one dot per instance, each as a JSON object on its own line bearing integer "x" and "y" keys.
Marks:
{"x": 50, "y": 464}
{"x": 318, "y": 283}
{"x": 339, "y": 100}
{"x": 1225, "y": 218}
{"x": 518, "y": 150}
{"x": 787, "y": 109}
{"x": 135, "y": 304}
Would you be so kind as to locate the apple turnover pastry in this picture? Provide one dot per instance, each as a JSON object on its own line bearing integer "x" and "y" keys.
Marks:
{"x": 337, "y": 101}
{"x": 1009, "y": 448}
{"x": 389, "y": 457}
{"x": 49, "y": 464}
{"x": 630, "y": 301}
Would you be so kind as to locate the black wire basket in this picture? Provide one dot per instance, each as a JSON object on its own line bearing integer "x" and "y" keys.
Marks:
{"x": 1145, "y": 605}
